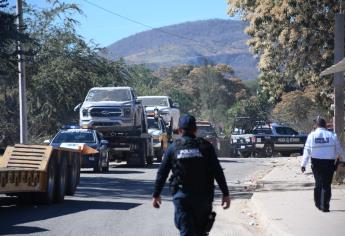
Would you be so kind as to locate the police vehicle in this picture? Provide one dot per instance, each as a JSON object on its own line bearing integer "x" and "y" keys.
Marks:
{"x": 263, "y": 139}
{"x": 206, "y": 130}
{"x": 73, "y": 135}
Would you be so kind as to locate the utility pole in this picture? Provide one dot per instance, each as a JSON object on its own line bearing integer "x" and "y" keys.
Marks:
{"x": 21, "y": 79}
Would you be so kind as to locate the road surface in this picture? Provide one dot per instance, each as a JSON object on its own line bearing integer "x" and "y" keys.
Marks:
{"x": 119, "y": 203}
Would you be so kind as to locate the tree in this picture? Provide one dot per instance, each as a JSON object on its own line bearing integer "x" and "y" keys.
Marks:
{"x": 255, "y": 107}
{"x": 294, "y": 39}
{"x": 298, "y": 109}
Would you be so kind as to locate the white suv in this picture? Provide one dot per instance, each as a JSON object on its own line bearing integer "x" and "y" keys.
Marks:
{"x": 168, "y": 110}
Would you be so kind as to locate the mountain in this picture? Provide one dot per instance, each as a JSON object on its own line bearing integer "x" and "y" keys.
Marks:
{"x": 218, "y": 41}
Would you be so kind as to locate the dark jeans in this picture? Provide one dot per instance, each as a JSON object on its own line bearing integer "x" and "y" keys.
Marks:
{"x": 191, "y": 213}
{"x": 323, "y": 173}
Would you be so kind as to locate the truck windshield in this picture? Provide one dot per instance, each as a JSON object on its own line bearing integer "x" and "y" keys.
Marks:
{"x": 153, "y": 124}
{"x": 204, "y": 130}
{"x": 74, "y": 137}
{"x": 118, "y": 95}
{"x": 151, "y": 102}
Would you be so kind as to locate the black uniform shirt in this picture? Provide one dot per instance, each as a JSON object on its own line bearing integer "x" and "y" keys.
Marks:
{"x": 166, "y": 166}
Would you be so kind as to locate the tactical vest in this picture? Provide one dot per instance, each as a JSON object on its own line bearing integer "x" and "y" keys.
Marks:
{"x": 191, "y": 170}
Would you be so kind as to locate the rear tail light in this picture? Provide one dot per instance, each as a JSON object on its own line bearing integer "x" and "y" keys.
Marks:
{"x": 253, "y": 139}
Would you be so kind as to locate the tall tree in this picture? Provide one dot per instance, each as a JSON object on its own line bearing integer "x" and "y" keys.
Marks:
{"x": 294, "y": 39}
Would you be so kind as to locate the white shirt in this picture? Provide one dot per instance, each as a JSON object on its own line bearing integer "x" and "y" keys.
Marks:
{"x": 322, "y": 144}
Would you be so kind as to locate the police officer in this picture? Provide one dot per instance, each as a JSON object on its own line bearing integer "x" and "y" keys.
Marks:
{"x": 323, "y": 147}
{"x": 194, "y": 167}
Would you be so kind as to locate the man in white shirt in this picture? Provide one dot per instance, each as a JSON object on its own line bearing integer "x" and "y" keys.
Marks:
{"x": 323, "y": 147}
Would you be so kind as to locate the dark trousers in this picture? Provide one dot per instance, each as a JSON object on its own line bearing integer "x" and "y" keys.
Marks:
{"x": 323, "y": 173}
{"x": 191, "y": 213}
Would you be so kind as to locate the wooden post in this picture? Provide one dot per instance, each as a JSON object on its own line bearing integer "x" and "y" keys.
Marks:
{"x": 339, "y": 77}
{"x": 338, "y": 83}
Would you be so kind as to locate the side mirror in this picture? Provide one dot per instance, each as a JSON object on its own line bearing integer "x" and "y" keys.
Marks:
{"x": 104, "y": 142}
{"x": 47, "y": 141}
{"x": 176, "y": 105}
{"x": 77, "y": 107}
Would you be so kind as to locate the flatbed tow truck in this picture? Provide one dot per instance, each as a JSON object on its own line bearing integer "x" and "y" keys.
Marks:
{"x": 136, "y": 150}
{"x": 45, "y": 172}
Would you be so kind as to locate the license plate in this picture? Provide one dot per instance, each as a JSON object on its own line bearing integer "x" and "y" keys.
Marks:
{"x": 91, "y": 158}
{"x": 243, "y": 147}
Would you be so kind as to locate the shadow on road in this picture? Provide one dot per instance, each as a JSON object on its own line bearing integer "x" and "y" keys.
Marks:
{"x": 229, "y": 161}
{"x": 283, "y": 186}
{"x": 115, "y": 171}
{"x": 151, "y": 166}
{"x": 115, "y": 188}
{"x": 12, "y": 214}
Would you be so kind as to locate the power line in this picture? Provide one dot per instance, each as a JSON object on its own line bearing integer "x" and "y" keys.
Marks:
{"x": 149, "y": 26}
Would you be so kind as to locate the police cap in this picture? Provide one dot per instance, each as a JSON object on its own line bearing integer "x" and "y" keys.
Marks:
{"x": 187, "y": 122}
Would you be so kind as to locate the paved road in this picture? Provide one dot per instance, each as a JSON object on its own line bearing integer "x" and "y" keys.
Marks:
{"x": 115, "y": 203}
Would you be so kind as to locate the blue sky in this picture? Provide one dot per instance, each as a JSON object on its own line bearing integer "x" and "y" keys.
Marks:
{"x": 104, "y": 28}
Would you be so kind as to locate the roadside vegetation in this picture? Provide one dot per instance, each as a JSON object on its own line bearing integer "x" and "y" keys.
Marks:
{"x": 62, "y": 66}
{"x": 294, "y": 40}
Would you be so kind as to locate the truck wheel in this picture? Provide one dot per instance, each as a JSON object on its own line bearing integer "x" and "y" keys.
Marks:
{"x": 61, "y": 180}
{"x": 78, "y": 168}
{"x": 106, "y": 169}
{"x": 149, "y": 160}
{"x": 245, "y": 154}
{"x": 47, "y": 197}
{"x": 268, "y": 150}
{"x": 72, "y": 177}
{"x": 159, "y": 154}
{"x": 285, "y": 154}
{"x": 98, "y": 167}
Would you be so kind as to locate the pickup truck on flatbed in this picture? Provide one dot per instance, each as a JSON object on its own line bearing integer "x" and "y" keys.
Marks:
{"x": 121, "y": 118}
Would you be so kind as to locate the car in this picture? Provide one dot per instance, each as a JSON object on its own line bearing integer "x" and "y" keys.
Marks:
{"x": 263, "y": 139}
{"x": 75, "y": 135}
{"x": 112, "y": 110}
{"x": 206, "y": 130}
{"x": 167, "y": 109}
{"x": 159, "y": 133}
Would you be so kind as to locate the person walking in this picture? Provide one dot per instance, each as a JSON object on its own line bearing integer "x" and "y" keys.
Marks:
{"x": 323, "y": 147}
{"x": 194, "y": 167}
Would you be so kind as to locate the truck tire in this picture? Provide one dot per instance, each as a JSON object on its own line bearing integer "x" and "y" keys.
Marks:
{"x": 60, "y": 181}
{"x": 106, "y": 168}
{"x": 149, "y": 160}
{"x": 285, "y": 154}
{"x": 72, "y": 176}
{"x": 142, "y": 154}
{"x": 245, "y": 154}
{"x": 159, "y": 154}
{"x": 48, "y": 196}
{"x": 268, "y": 150}
{"x": 98, "y": 167}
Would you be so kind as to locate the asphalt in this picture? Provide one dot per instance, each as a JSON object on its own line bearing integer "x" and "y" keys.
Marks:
{"x": 119, "y": 203}
{"x": 283, "y": 203}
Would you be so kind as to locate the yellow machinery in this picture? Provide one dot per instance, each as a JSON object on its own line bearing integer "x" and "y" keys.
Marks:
{"x": 46, "y": 172}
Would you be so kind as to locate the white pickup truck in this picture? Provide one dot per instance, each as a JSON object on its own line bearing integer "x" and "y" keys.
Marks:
{"x": 111, "y": 110}
{"x": 167, "y": 109}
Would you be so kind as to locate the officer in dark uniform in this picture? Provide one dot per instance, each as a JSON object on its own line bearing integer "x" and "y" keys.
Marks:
{"x": 194, "y": 167}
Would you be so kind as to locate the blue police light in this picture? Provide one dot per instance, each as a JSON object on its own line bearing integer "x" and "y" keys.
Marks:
{"x": 70, "y": 127}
